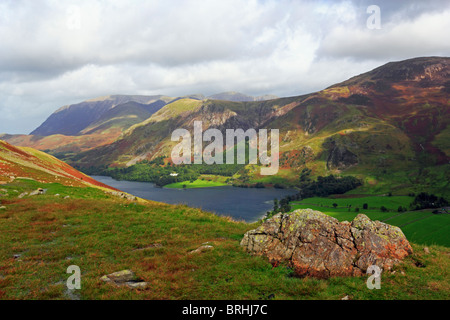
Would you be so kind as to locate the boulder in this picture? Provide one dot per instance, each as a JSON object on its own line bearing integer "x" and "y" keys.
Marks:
{"x": 315, "y": 244}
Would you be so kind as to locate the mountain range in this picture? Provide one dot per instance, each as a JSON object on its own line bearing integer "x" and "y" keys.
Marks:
{"x": 389, "y": 127}
{"x": 102, "y": 120}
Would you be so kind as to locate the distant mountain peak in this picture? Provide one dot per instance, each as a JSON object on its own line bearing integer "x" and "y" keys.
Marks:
{"x": 239, "y": 97}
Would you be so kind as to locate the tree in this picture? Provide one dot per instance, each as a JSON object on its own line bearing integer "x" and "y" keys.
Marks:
{"x": 335, "y": 205}
{"x": 365, "y": 206}
{"x": 275, "y": 205}
{"x": 424, "y": 200}
{"x": 284, "y": 205}
{"x": 304, "y": 178}
{"x": 383, "y": 209}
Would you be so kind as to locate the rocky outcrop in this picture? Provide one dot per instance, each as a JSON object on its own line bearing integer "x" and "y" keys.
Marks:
{"x": 317, "y": 245}
{"x": 340, "y": 158}
{"x": 123, "y": 195}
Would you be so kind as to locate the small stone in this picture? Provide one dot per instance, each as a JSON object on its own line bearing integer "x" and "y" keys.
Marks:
{"x": 345, "y": 298}
{"x": 66, "y": 197}
{"x": 125, "y": 278}
{"x": 23, "y": 194}
{"x": 201, "y": 249}
{"x": 2, "y": 208}
{"x": 38, "y": 191}
{"x": 57, "y": 195}
{"x": 137, "y": 285}
{"x": 426, "y": 250}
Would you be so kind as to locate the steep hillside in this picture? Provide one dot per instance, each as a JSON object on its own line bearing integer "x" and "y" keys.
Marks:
{"x": 152, "y": 138}
{"x": 124, "y": 116}
{"x": 28, "y": 163}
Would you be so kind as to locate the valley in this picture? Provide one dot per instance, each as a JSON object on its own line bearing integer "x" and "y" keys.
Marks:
{"x": 78, "y": 190}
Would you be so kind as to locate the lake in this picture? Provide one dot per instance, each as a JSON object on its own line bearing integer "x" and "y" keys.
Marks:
{"x": 248, "y": 204}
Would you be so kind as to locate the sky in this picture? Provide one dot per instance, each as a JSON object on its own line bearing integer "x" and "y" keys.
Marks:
{"x": 59, "y": 52}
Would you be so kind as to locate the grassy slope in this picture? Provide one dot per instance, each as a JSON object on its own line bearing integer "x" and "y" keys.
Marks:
{"x": 103, "y": 235}
{"x": 23, "y": 162}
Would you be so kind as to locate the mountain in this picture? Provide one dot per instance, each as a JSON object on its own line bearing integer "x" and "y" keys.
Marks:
{"x": 80, "y": 118}
{"x": 28, "y": 163}
{"x": 73, "y": 119}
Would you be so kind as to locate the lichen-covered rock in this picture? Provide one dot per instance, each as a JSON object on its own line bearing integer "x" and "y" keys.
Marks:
{"x": 318, "y": 245}
{"x": 119, "y": 276}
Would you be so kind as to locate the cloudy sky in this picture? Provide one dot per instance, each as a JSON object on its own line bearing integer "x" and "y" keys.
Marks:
{"x": 59, "y": 52}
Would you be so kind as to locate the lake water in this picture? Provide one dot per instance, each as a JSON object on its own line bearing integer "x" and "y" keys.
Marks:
{"x": 248, "y": 204}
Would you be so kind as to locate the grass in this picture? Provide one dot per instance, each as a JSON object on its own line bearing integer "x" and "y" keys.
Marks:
{"x": 204, "y": 181}
{"x": 422, "y": 227}
{"x": 41, "y": 236}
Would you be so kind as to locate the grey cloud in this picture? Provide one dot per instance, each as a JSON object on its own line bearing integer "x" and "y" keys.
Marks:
{"x": 54, "y": 53}
{"x": 425, "y": 35}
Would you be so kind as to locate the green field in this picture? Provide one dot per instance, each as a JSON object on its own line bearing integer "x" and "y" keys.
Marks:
{"x": 421, "y": 227}
{"x": 204, "y": 182}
